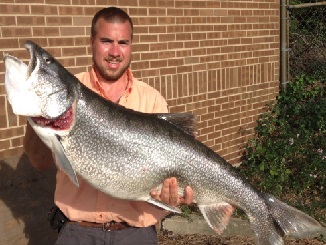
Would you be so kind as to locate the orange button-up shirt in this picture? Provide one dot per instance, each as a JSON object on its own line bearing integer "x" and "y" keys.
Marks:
{"x": 84, "y": 203}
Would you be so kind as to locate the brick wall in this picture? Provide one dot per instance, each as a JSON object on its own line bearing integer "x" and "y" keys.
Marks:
{"x": 216, "y": 59}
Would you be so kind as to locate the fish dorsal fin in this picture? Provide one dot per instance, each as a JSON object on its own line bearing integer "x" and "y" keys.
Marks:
{"x": 185, "y": 121}
{"x": 217, "y": 215}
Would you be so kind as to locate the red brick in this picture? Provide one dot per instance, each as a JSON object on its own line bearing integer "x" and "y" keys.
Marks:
{"x": 61, "y": 42}
{"x": 30, "y": 21}
{"x": 44, "y": 10}
{"x": 168, "y": 70}
{"x": 7, "y": 153}
{"x": 17, "y": 142}
{"x": 71, "y": 62}
{"x": 72, "y": 31}
{"x": 4, "y": 144}
{"x": 72, "y": 10}
{"x": 64, "y": 2}
{"x": 156, "y": 46}
{"x": 58, "y": 21}
{"x": 16, "y": 32}
{"x": 46, "y": 31}
{"x": 73, "y": 51}
{"x": 166, "y": 37}
{"x": 149, "y": 38}
{"x": 14, "y": 9}
{"x": 7, "y": 20}
{"x": 158, "y": 63}
{"x": 157, "y": 29}
{"x": 11, "y": 132}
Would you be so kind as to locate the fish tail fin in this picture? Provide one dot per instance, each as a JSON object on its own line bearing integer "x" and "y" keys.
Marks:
{"x": 279, "y": 220}
{"x": 266, "y": 230}
{"x": 292, "y": 221}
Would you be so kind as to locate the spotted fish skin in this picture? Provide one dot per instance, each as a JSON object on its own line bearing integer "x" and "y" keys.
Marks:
{"x": 125, "y": 153}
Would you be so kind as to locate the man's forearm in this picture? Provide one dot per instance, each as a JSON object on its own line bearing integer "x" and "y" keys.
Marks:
{"x": 38, "y": 153}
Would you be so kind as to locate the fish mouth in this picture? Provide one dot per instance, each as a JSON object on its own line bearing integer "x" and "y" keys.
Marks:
{"x": 25, "y": 71}
{"x": 64, "y": 122}
{"x": 33, "y": 60}
{"x": 19, "y": 87}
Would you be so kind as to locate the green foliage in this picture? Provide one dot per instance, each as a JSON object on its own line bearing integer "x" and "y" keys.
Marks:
{"x": 188, "y": 210}
{"x": 287, "y": 156}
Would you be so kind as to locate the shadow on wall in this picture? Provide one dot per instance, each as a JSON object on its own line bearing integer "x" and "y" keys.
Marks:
{"x": 26, "y": 195}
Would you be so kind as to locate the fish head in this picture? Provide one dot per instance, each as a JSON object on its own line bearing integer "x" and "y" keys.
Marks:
{"x": 42, "y": 89}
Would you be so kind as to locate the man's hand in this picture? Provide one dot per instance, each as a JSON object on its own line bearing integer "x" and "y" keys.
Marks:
{"x": 169, "y": 193}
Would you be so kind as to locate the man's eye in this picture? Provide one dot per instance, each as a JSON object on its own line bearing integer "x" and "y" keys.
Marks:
{"x": 124, "y": 42}
{"x": 106, "y": 41}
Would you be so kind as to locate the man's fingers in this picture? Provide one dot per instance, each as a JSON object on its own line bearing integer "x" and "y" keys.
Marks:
{"x": 188, "y": 196}
{"x": 165, "y": 191}
{"x": 174, "y": 195}
{"x": 170, "y": 195}
{"x": 155, "y": 194}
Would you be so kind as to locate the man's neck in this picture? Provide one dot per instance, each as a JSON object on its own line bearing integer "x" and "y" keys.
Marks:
{"x": 115, "y": 89}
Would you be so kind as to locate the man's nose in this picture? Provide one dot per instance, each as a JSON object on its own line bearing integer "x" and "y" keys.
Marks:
{"x": 114, "y": 50}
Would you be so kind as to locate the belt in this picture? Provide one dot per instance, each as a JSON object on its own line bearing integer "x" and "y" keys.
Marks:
{"x": 109, "y": 226}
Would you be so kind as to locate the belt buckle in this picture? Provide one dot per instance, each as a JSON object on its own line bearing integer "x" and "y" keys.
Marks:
{"x": 105, "y": 226}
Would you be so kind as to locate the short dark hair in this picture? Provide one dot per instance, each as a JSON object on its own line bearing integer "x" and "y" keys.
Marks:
{"x": 111, "y": 15}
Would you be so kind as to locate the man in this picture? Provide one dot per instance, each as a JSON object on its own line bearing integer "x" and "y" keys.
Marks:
{"x": 90, "y": 216}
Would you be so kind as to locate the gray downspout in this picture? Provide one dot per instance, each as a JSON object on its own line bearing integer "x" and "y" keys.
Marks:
{"x": 284, "y": 51}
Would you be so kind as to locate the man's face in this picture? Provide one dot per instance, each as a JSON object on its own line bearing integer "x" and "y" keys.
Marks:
{"x": 111, "y": 48}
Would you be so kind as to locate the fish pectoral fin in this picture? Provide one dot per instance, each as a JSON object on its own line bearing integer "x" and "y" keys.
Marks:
{"x": 164, "y": 206}
{"x": 217, "y": 215}
{"x": 62, "y": 161}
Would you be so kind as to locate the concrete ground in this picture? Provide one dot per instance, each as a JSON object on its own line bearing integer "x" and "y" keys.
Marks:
{"x": 236, "y": 227}
{"x": 197, "y": 225}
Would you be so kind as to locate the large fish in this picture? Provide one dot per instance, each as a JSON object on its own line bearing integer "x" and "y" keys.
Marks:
{"x": 125, "y": 153}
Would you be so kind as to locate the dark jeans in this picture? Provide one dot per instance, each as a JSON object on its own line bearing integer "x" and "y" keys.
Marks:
{"x": 73, "y": 234}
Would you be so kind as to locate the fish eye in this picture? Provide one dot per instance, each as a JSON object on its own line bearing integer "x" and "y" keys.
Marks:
{"x": 47, "y": 59}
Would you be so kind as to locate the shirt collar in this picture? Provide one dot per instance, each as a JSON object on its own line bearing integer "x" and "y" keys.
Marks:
{"x": 99, "y": 89}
